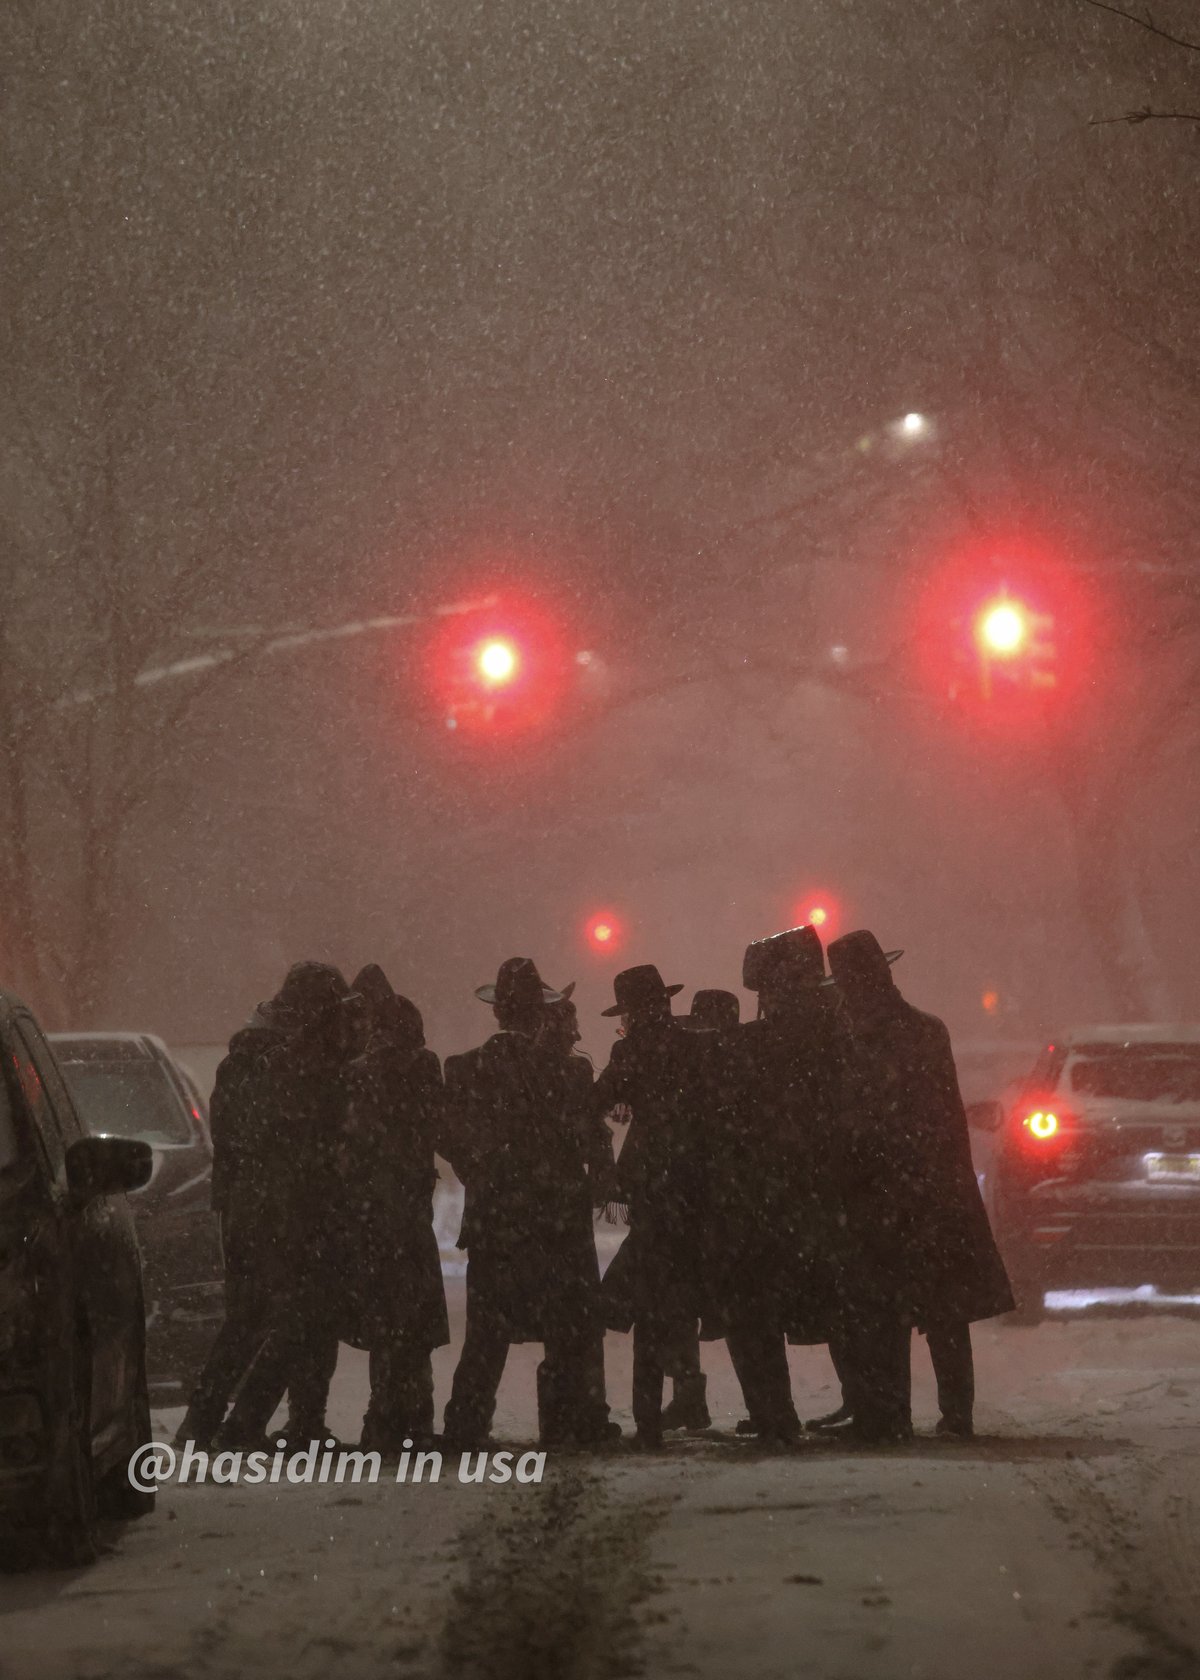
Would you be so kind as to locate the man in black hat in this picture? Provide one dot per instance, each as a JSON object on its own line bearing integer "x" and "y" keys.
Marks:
{"x": 523, "y": 1168}
{"x": 388, "y": 1252}
{"x": 775, "y": 1212}
{"x": 658, "y": 1070}
{"x": 944, "y": 1269}
{"x": 302, "y": 1098}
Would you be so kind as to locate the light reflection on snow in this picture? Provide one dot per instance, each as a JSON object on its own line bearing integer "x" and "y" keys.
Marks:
{"x": 1074, "y": 1300}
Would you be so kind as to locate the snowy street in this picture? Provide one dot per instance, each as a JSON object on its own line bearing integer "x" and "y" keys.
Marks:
{"x": 1063, "y": 1542}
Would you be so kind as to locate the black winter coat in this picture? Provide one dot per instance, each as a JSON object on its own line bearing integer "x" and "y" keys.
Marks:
{"x": 527, "y": 1217}
{"x": 929, "y": 1252}
{"x": 387, "y": 1251}
{"x": 778, "y": 1222}
{"x": 663, "y": 1074}
{"x": 302, "y": 1096}
{"x": 234, "y": 1123}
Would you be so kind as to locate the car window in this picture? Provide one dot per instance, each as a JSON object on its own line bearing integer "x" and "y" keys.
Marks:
{"x": 129, "y": 1099}
{"x": 52, "y": 1079}
{"x": 29, "y": 1081}
{"x": 1139, "y": 1076}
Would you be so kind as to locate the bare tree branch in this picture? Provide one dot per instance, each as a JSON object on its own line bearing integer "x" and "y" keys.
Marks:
{"x": 1147, "y": 23}
{"x": 1147, "y": 115}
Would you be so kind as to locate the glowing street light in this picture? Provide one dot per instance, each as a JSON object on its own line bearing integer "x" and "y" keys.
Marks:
{"x": 914, "y": 425}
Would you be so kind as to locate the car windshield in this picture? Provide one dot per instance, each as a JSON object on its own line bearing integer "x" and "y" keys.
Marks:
{"x": 128, "y": 1099}
{"x": 1156, "y": 1074}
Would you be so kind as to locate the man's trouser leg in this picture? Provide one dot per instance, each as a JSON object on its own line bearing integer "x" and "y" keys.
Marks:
{"x": 234, "y": 1347}
{"x": 570, "y": 1386}
{"x": 879, "y": 1352}
{"x": 647, "y": 1381}
{"x": 954, "y": 1371}
{"x": 759, "y": 1357}
{"x": 401, "y": 1403}
{"x": 472, "y": 1402}
{"x": 309, "y": 1374}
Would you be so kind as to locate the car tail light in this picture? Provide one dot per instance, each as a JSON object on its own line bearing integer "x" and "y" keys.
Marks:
{"x": 1045, "y": 1124}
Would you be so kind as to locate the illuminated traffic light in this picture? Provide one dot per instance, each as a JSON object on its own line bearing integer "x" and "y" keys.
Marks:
{"x": 497, "y": 662}
{"x": 817, "y": 910}
{"x": 603, "y": 932}
{"x": 504, "y": 671}
{"x": 1003, "y": 629}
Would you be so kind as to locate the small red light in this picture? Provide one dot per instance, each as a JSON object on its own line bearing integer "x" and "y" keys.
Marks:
{"x": 818, "y": 915}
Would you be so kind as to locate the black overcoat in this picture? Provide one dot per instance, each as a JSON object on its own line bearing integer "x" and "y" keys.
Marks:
{"x": 527, "y": 1216}
{"x": 662, "y": 1074}
{"x": 389, "y": 1254}
{"x": 778, "y": 1223}
{"x": 935, "y": 1257}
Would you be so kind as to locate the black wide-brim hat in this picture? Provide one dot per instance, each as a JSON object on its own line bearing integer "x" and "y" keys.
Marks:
{"x": 859, "y": 956}
{"x": 714, "y": 1010}
{"x": 518, "y": 981}
{"x": 793, "y": 955}
{"x": 637, "y": 987}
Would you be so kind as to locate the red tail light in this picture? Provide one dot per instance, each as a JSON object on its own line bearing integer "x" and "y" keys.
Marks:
{"x": 1045, "y": 1124}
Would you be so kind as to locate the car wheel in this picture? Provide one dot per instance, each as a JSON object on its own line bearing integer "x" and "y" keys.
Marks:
{"x": 69, "y": 1534}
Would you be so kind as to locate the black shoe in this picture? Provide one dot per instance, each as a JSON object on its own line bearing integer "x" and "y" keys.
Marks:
{"x": 647, "y": 1440}
{"x": 688, "y": 1407}
{"x": 745, "y": 1426}
{"x": 955, "y": 1429}
{"x": 831, "y": 1419}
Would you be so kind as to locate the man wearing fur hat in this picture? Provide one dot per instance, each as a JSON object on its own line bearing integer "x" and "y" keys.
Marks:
{"x": 530, "y": 1277}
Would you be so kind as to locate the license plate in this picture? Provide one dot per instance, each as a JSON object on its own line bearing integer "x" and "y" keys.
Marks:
{"x": 1173, "y": 1166}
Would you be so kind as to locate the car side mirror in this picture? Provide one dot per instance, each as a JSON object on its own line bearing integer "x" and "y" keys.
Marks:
{"x": 985, "y": 1116}
{"x": 107, "y": 1166}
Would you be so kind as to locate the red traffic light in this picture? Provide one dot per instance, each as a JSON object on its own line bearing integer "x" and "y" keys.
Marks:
{"x": 497, "y": 662}
{"x": 603, "y": 932}
{"x": 501, "y": 671}
{"x": 1002, "y": 628}
{"x": 819, "y": 911}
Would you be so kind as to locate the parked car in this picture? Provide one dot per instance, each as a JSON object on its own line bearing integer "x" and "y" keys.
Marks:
{"x": 1095, "y": 1177}
{"x": 73, "y": 1396}
{"x": 128, "y": 1085}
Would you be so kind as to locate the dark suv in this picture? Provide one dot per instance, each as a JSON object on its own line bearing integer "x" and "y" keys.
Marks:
{"x": 73, "y": 1399}
{"x": 128, "y": 1085}
{"x": 1095, "y": 1178}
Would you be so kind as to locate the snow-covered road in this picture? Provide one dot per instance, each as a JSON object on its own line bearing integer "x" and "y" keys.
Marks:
{"x": 1063, "y": 1542}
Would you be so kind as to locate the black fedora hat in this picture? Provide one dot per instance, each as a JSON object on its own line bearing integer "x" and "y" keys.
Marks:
{"x": 637, "y": 987}
{"x": 715, "y": 1010}
{"x": 795, "y": 954}
{"x": 518, "y": 981}
{"x": 859, "y": 956}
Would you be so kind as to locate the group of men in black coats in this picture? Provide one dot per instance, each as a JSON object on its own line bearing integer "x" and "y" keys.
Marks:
{"x": 803, "y": 1177}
